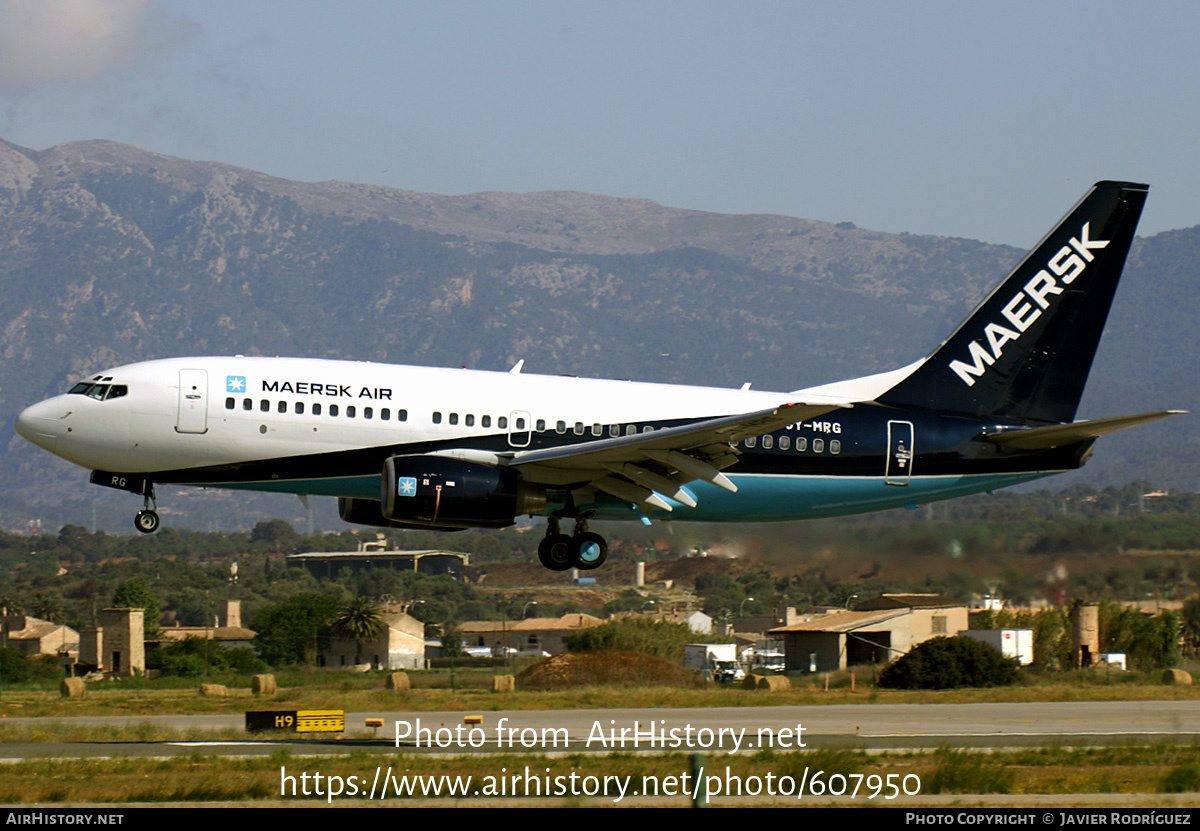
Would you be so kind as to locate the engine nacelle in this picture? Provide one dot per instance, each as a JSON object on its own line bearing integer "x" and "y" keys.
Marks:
{"x": 368, "y": 512}
{"x": 444, "y": 492}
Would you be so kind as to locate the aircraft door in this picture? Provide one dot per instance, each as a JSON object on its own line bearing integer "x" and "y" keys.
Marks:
{"x": 193, "y": 404}
{"x": 900, "y": 453}
{"x": 519, "y": 428}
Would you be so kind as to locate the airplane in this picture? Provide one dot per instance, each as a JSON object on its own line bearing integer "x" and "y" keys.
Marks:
{"x": 447, "y": 449}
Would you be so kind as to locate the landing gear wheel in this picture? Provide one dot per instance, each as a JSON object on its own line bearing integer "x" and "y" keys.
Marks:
{"x": 588, "y": 551}
{"x": 146, "y": 521}
{"x": 554, "y": 552}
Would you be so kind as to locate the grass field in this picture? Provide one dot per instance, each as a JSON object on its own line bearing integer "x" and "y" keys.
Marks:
{"x": 432, "y": 691}
{"x": 202, "y": 778}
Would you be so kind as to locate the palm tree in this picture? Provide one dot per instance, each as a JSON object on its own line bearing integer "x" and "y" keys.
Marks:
{"x": 359, "y": 620}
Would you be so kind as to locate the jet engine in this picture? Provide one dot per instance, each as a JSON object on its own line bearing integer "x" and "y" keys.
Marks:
{"x": 444, "y": 492}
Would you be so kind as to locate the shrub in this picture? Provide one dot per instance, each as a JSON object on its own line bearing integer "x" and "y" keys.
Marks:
{"x": 947, "y": 663}
{"x": 184, "y": 658}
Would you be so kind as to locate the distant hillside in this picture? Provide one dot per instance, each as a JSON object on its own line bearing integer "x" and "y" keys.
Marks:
{"x": 110, "y": 254}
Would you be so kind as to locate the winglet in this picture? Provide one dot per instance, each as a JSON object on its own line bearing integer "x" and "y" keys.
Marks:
{"x": 517, "y": 367}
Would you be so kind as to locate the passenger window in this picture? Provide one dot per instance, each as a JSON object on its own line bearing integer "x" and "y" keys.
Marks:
{"x": 752, "y": 441}
{"x": 597, "y": 429}
{"x": 401, "y": 415}
{"x": 317, "y": 408}
{"x": 469, "y": 420}
{"x": 818, "y": 445}
{"x": 647, "y": 429}
{"x": 835, "y": 447}
{"x": 385, "y": 414}
{"x": 333, "y": 409}
{"x": 247, "y": 404}
{"x": 484, "y": 421}
{"x": 801, "y": 443}
{"x": 264, "y": 405}
{"x": 579, "y": 428}
{"x": 299, "y": 408}
{"x": 368, "y": 412}
{"x": 520, "y": 422}
{"x": 437, "y": 418}
{"x": 768, "y": 441}
{"x": 350, "y": 411}
{"x": 282, "y": 407}
{"x": 454, "y": 418}
{"x": 631, "y": 430}
{"x": 502, "y": 422}
{"x": 541, "y": 425}
{"x": 785, "y": 442}
{"x": 229, "y": 403}
{"x": 560, "y": 427}
{"x": 614, "y": 430}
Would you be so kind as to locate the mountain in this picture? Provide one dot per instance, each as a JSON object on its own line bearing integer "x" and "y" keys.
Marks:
{"x": 110, "y": 254}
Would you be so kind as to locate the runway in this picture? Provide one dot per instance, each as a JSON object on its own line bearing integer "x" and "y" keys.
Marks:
{"x": 711, "y": 730}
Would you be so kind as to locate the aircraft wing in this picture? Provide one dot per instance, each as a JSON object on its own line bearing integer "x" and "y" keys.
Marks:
{"x": 638, "y": 468}
{"x": 1042, "y": 438}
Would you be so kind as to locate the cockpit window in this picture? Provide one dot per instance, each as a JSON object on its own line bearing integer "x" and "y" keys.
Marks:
{"x": 100, "y": 392}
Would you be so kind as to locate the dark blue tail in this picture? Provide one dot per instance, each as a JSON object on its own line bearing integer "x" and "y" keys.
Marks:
{"x": 1025, "y": 353}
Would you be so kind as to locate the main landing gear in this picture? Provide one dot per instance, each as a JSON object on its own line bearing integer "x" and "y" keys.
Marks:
{"x": 559, "y": 552}
{"x": 147, "y": 520}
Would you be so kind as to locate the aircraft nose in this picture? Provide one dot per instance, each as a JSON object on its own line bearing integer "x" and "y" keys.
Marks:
{"x": 41, "y": 423}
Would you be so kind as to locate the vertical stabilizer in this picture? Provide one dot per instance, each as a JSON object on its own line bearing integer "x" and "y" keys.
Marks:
{"x": 1025, "y": 353}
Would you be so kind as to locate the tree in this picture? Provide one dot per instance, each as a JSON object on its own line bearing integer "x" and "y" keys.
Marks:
{"x": 291, "y": 632}
{"x": 136, "y": 594}
{"x": 452, "y": 644}
{"x": 360, "y": 621}
{"x": 1191, "y": 623}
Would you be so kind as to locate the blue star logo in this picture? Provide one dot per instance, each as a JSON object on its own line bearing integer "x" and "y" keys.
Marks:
{"x": 235, "y": 383}
{"x": 406, "y": 486}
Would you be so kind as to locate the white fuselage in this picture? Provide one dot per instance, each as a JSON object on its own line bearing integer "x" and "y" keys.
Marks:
{"x": 176, "y": 414}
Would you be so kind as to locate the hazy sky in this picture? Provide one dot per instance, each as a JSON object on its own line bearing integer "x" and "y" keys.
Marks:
{"x": 956, "y": 118}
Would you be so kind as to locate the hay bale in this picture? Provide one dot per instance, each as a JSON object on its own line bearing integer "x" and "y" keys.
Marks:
{"x": 1175, "y": 677}
{"x": 398, "y": 682}
{"x": 751, "y": 681}
{"x": 72, "y": 688}
{"x": 214, "y": 690}
{"x": 774, "y": 683}
{"x": 504, "y": 683}
{"x": 263, "y": 685}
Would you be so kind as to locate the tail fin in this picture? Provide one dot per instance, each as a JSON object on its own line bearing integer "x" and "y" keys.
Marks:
{"x": 1025, "y": 353}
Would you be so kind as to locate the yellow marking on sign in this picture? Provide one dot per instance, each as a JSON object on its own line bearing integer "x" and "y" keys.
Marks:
{"x": 320, "y": 721}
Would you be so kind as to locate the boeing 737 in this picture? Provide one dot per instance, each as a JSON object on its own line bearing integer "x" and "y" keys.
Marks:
{"x": 413, "y": 447}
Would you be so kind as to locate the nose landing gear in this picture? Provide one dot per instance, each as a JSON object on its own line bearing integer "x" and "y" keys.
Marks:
{"x": 585, "y": 550}
{"x": 147, "y": 520}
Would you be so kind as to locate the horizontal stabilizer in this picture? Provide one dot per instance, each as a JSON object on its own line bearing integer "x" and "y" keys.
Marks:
{"x": 1042, "y": 438}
